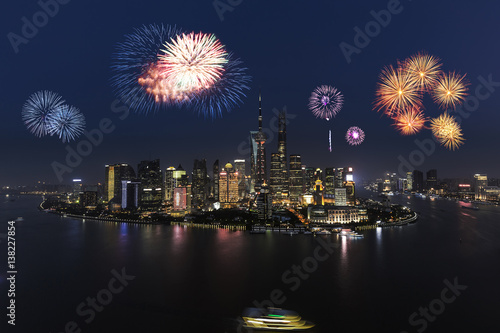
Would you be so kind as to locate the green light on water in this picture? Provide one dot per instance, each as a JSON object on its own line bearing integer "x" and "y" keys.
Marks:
{"x": 273, "y": 315}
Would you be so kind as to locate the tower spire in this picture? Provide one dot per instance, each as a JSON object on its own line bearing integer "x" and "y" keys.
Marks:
{"x": 260, "y": 112}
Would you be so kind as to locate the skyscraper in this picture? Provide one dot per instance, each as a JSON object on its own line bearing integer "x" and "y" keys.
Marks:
{"x": 169, "y": 184}
{"x": 339, "y": 177}
{"x": 239, "y": 166}
{"x": 431, "y": 180}
{"x": 114, "y": 174}
{"x": 309, "y": 179}
{"x": 199, "y": 183}
{"x": 296, "y": 178}
{"x": 228, "y": 186}
{"x": 151, "y": 190}
{"x": 480, "y": 182}
{"x": 418, "y": 181}
{"x": 330, "y": 181}
{"x": 216, "y": 170}
{"x": 275, "y": 175}
{"x": 264, "y": 204}
{"x": 283, "y": 180}
{"x": 409, "y": 181}
{"x": 259, "y": 170}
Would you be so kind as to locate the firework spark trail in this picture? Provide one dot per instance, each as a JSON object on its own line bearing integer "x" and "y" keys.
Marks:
{"x": 450, "y": 90}
{"x": 423, "y": 70}
{"x": 325, "y": 102}
{"x": 67, "y": 122}
{"x": 193, "y": 61}
{"x": 226, "y": 93}
{"x": 396, "y": 91}
{"x": 411, "y": 121}
{"x": 355, "y": 136}
{"x": 37, "y": 109}
{"x": 447, "y": 131}
{"x": 136, "y": 78}
{"x": 330, "y": 140}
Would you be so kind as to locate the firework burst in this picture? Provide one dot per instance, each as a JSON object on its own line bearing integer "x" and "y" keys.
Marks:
{"x": 355, "y": 136}
{"x": 226, "y": 93}
{"x": 423, "y": 70}
{"x": 447, "y": 131}
{"x": 193, "y": 61}
{"x": 67, "y": 122}
{"x": 396, "y": 91}
{"x": 450, "y": 90}
{"x": 137, "y": 80}
{"x": 411, "y": 121}
{"x": 325, "y": 102}
{"x": 37, "y": 110}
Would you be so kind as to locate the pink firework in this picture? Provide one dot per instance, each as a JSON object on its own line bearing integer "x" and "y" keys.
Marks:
{"x": 355, "y": 136}
{"x": 325, "y": 102}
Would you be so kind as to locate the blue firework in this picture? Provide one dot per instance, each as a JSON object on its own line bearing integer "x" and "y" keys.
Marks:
{"x": 67, "y": 122}
{"x": 226, "y": 93}
{"x": 37, "y": 109}
{"x": 136, "y": 59}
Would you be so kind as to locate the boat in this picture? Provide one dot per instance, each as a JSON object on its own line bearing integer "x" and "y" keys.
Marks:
{"x": 290, "y": 232}
{"x": 19, "y": 219}
{"x": 472, "y": 207}
{"x": 323, "y": 232}
{"x": 273, "y": 319}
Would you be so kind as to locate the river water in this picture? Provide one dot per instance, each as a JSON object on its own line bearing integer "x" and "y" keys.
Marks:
{"x": 199, "y": 280}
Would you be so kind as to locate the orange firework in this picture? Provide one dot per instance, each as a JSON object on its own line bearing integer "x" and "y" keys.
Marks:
{"x": 450, "y": 90}
{"x": 396, "y": 91}
{"x": 424, "y": 70}
{"x": 410, "y": 121}
{"x": 161, "y": 89}
{"x": 447, "y": 131}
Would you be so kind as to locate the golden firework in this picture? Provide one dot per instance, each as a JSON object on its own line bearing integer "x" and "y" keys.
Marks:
{"x": 450, "y": 90}
{"x": 447, "y": 131}
{"x": 396, "y": 91}
{"x": 423, "y": 69}
{"x": 410, "y": 121}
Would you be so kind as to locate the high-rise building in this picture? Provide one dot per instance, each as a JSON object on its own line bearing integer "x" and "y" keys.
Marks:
{"x": 418, "y": 181}
{"x": 89, "y": 199}
{"x": 216, "y": 170}
{"x": 113, "y": 177}
{"x": 339, "y": 177}
{"x": 264, "y": 204}
{"x": 275, "y": 175}
{"x": 259, "y": 170}
{"x": 480, "y": 182}
{"x": 330, "y": 181}
{"x": 130, "y": 194}
{"x": 350, "y": 188}
{"x": 309, "y": 179}
{"x": 77, "y": 189}
{"x": 431, "y": 180}
{"x": 340, "y": 197}
{"x": 199, "y": 183}
{"x": 239, "y": 166}
{"x": 228, "y": 186}
{"x": 151, "y": 190}
{"x": 296, "y": 178}
{"x": 283, "y": 180}
{"x": 169, "y": 184}
{"x": 409, "y": 181}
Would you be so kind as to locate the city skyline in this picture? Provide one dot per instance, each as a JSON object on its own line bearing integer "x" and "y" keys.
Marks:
{"x": 179, "y": 136}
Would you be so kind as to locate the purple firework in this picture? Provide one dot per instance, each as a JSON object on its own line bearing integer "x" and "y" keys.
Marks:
{"x": 355, "y": 136}
{"x": 325, "y": 102}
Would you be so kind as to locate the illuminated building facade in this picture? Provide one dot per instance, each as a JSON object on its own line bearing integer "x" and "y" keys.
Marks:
{"x": 296, "y": 179}
{"x": 264, "y": 204}
{"x": 330, "y": 181}
{"x": 199, "y": 183}
{"x": 239, "y": 166}
{"x": 114, "y": 174}
{"x": 409, "y": 181}
{"x": 130, "y": 194}
{"x": 228, "y": 186}
{"x": 174, "y": 178}
{"x": 151, "y": 190}
{"x": 340, "y": 197}
{"x": 480, "y": 182}
{"x": 343, "y": 215}
{"x": 258, "y": 151}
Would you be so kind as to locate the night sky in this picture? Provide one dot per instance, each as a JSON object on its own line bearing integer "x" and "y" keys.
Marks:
{"x": 289, "y": 49}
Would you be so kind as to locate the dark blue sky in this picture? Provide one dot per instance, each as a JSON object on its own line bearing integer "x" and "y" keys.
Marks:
{"x": 289, "y": 48}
